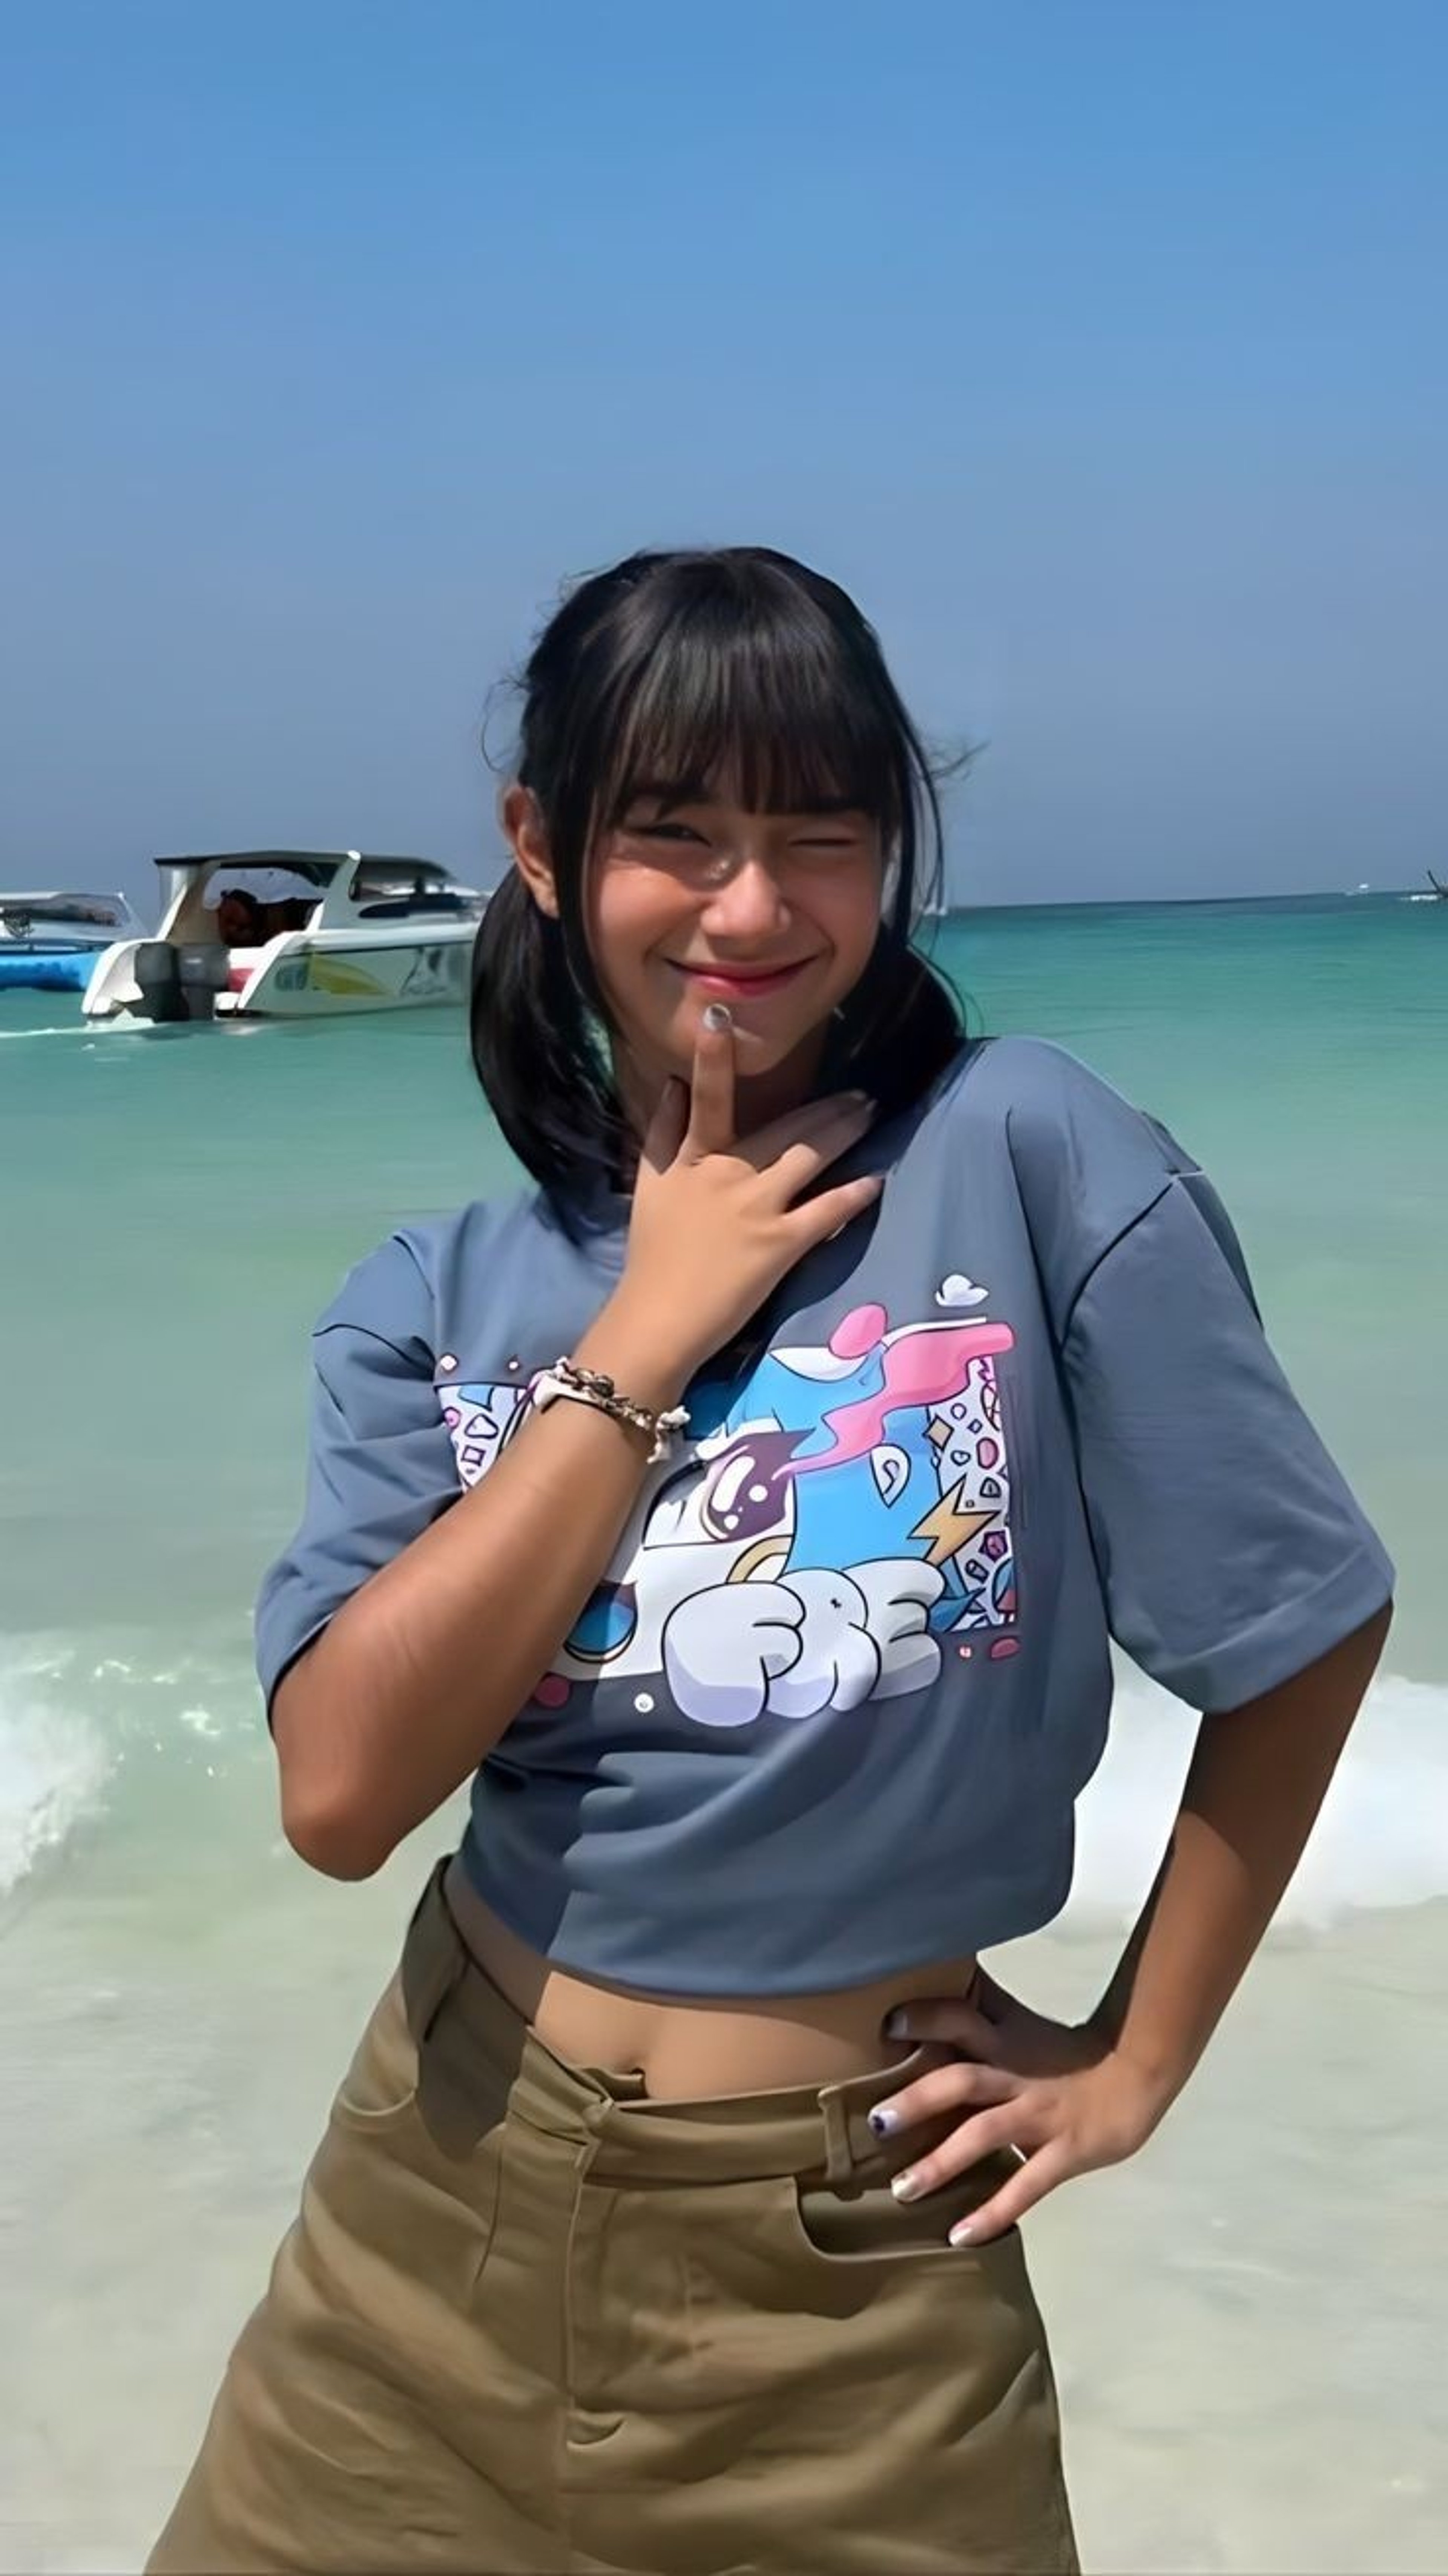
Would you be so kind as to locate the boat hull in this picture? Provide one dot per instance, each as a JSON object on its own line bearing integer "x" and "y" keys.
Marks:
{"x": 314, "y": 980}
{"x": 299, "y": 975}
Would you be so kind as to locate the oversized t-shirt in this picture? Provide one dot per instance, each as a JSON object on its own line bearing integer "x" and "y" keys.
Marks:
{"x": 827, "y": 1713}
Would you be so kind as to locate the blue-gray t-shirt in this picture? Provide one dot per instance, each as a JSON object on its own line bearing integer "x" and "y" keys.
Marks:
{"x": 828, "y": 1715}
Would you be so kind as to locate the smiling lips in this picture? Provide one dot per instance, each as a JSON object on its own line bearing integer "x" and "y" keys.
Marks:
{"x": 743, "y": 983}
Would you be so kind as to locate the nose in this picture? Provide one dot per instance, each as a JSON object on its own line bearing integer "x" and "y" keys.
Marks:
{"x": 748, "y": 903}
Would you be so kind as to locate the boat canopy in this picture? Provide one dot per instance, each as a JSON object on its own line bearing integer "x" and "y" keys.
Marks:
{"x": 327, "y": 890}
{"x": 317, "y": 867}
{"x": 347, "y": 881}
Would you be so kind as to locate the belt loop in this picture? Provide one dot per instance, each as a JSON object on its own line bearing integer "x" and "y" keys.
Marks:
{"x": 839, "y": 2155}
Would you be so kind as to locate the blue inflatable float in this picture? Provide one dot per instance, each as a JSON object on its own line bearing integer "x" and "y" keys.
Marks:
{"x": 64, "y": 970}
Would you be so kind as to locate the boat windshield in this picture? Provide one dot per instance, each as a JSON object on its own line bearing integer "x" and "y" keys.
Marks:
{"x": 390, "y": 890}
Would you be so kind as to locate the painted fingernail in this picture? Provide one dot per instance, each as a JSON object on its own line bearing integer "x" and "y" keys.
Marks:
{"x": 907, "y": 2185}
{"x": 962, "y": 2232}
{"x": 717, "y": 1015}
{"x": 897, "y": 2025}
{"x": 884, "y": 2121}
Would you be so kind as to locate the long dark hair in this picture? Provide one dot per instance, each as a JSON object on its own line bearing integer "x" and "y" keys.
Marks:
{"x": 740, "y": 671}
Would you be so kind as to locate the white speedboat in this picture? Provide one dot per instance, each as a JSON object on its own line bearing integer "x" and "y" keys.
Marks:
{"x": 292, "y": 935}
{"x": 51, "y": 941}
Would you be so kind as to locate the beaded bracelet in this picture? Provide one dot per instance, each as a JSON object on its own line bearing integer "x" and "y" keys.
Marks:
{"x": 567, "y": 1381}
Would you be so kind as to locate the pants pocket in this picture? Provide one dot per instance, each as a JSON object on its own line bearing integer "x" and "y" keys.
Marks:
{"x": 409, "y": 2172}
{"x": 869, "y": 2225}
{"x": 888, "y": 2400}
{"x": 379, "y": 2088}
{"x": 424, "y": 2115}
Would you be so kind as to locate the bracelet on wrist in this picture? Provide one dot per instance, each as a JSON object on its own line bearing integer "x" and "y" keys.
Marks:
{"x": 567, "y": 1382}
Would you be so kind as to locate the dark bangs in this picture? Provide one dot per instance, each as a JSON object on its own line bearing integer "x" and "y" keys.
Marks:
{"x": 742, "y": 687}
{"x": 737, "y": 674}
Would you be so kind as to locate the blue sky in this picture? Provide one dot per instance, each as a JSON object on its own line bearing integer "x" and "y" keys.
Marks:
{"x": 1099, "y": 348}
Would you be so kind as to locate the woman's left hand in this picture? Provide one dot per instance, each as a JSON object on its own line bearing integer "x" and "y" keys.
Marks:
{"x": 1058, "y": 2093}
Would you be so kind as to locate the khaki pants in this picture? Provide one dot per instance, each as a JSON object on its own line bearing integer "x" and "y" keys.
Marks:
{"x": 530, "y": 2323}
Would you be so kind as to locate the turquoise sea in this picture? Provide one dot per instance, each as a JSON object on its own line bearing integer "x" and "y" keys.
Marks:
{"x": 176, "y": 1995}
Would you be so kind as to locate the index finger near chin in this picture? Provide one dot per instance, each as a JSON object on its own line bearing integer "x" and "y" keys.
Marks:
{"x": 711, "y": 1086}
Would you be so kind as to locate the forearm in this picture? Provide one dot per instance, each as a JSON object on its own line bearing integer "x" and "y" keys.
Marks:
{"x": 420, "y": 1673}
{"x": 1257, "y": 1779}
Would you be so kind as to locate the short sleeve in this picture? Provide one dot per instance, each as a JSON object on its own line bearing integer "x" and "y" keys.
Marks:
{"x": 380, "y": 1464}
{"x": 1230, "y": 1550}
{"x": 1087, "y": 1163}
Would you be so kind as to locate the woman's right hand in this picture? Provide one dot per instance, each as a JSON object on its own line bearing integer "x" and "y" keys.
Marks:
{"x": 716, "y": 1217}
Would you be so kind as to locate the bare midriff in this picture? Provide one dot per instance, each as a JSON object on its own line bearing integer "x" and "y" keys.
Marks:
{"x": 692, "y": 2048}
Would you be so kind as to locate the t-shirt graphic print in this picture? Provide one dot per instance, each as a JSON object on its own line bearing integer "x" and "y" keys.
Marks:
{"x": 843, "y": 1522}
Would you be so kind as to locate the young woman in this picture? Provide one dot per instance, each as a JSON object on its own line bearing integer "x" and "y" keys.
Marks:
{"x": 748, "y": 1508}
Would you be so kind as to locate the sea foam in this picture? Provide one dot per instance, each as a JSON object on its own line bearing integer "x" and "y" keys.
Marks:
{"x": 54, "y": 1764}
{"x": 1382, "y": 1839}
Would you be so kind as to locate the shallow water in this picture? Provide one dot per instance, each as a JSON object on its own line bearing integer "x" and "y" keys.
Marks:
{"x": 1248, "y": 2319}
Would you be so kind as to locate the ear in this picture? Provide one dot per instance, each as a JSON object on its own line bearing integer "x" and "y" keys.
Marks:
{"x": 523, "y": 827}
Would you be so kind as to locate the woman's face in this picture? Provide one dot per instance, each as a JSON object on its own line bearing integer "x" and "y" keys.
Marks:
{"x": 774, "y": 914}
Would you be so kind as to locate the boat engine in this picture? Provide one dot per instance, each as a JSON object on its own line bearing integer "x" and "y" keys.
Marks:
{"x": 180, "y": 982}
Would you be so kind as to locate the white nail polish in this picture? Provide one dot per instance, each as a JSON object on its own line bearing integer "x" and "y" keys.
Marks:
{"x": 962, "y": 2233}
{"x": 906, "y": 2186}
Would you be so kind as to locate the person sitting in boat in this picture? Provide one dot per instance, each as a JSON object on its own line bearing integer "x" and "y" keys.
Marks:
{"x": 240, "y": 920}
{"x": 295, "y": 913}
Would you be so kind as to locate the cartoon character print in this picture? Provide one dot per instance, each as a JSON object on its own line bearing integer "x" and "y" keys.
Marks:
{"x": 480, "y": 1418}
{"x": 844, "y": 1520}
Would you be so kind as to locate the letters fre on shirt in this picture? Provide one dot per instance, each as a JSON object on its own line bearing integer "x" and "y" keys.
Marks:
{"x": 829, "y": 1713}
